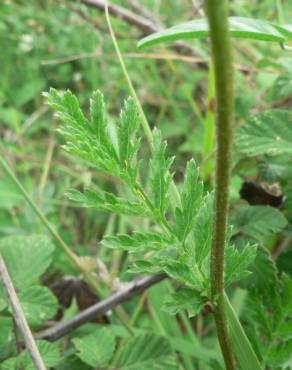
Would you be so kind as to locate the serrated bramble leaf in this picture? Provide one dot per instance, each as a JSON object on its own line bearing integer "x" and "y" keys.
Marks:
{"x": 138, "y": 241}
{"x": 38, "y": 303}
{"x": 97, "y": 348}
{"x": 191, "y": 199}
{"x": 107, "y": 202}
{"x": 240, "y": 27}
{"x": 266, "y": 133}
{"x": 184, "y": 299}
{"x": 49, "y": 352}
{"x": 237, "y": 262}
{"x": 27, "y": 258}
{"x": 259, "y": 221}
{"x": 147, "y": 352}
{"x": 263, "y": 272}
{"x": 160, "y": 177}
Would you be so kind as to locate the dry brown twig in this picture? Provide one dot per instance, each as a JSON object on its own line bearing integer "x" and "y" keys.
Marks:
{"x": 131, "y": 289}
{"x": 19, "y": 317}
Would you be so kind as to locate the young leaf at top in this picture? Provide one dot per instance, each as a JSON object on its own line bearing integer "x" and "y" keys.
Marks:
{"x": 240, "y": 27}
{"x": 266, "y": 133}
{"x": 99, "y": 120}
{"x": 128, "y": 146}
{"x": 191, "y": 199}
{"x": 160, "y": 177}
{"x": 87, "y": 140}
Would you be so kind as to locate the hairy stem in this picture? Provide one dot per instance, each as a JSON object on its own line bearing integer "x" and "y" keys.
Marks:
{"x": 217, "y": 13}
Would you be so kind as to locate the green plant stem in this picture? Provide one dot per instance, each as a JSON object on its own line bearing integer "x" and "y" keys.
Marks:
{"x": 145, "y": 124}
{"x": 209, "y": 126}
{"x": 217, "y": 13}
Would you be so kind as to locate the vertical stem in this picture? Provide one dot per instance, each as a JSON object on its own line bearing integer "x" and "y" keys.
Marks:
{"x": 20, "y": 318}
{"x": 217, "y": 12}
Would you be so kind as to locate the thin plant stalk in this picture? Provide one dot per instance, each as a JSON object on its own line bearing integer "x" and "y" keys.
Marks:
{"x": 19, "y": 317}
{"x": 217, "y": 13}
{"x": 145, "y": 124}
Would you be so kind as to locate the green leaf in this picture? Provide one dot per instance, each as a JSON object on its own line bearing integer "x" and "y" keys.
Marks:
{"x": 98, "y": 118}
{"x": 97, "y": 348}
{"x": 280, "y": 355}
{"x": 49, "y": 352}
{"x": 259, "y": 221}
{"x": 244, "y": 352}
{"x": 9, "y": 195}
{"x": 240, "y": 27}
{"x": 138, "y": 242}
{"x": 155, "y": 264}
{"x": 84, "y": 139}
{"x": 67, "y": 106}
{"x": 180, "y": 271}
{"x": 38, "y": 303}
{"x": 147, "y": 352}
{"x": 266, "y": 133}
{"x": 263, "y": 272}
{"x": 184, "y": 299}
{"x": 160, "y": 177}
{"x": 191, "y": 199}
{"x": 107, "y": 202}
{"x": 284, "y": 262}
{"x": 203, "y": 230}
{"x": 129, "y": 123}
{"x": 236, "y": 262}
{"x": 151, "y": 267}
{"x": 27, "y": 258}
{"x": 272, "y": 312}
{"x": 274, "y": 169}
